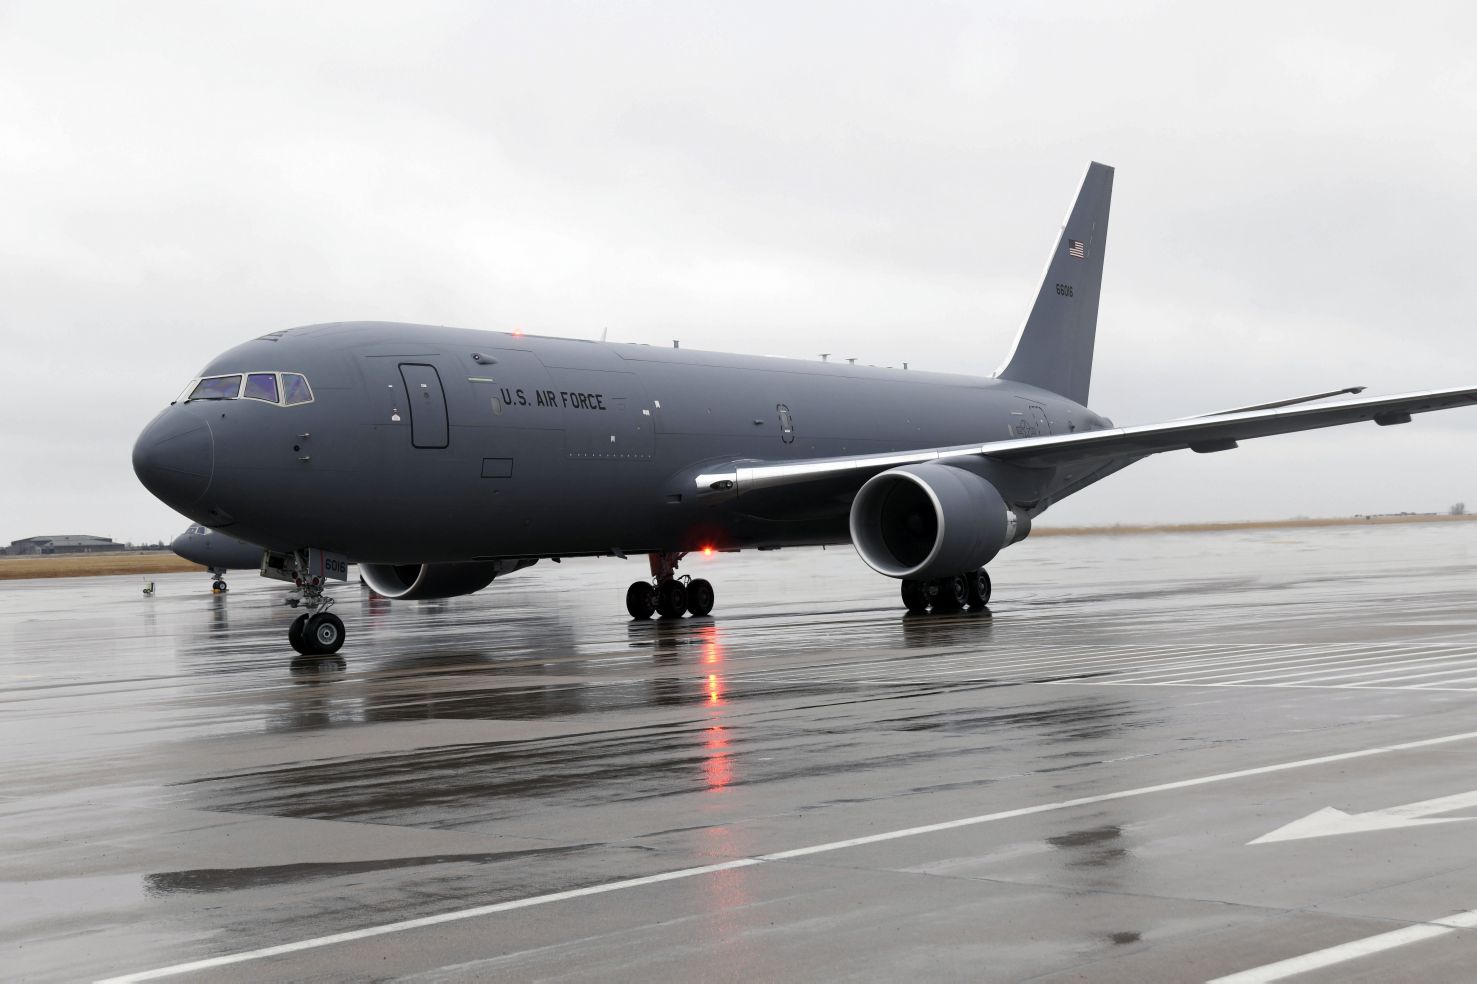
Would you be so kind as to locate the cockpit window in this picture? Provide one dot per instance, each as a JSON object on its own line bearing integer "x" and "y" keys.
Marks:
{"x": 295, "y": 389}
{"x": 217, "y": 388}
{"x": 261, "y": 386}
{"x": 280, "y": 388}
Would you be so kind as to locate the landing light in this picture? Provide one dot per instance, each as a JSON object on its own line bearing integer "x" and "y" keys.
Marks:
{"x": 707, "y": 551}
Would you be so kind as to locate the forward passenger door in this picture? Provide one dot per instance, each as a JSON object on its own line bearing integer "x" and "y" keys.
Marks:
{"x": 426, "y": 403}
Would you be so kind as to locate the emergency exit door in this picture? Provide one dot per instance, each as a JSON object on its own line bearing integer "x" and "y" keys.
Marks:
{"x": 1039, "y": 419}
{"x": 427, "y": 405}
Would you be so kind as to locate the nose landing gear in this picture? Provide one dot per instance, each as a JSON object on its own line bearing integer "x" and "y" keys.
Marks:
{"x": 218, "y": 582}
{"x": 316, "y": 632}
{"x": 948, "y": 594}
{"x": 666, "y": 594}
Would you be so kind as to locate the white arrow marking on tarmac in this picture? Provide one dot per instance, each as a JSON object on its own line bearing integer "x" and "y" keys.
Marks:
{"x": 1330, "y": 822}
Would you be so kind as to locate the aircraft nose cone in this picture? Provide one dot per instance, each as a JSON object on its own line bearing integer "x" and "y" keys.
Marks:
{"x": 174, "y": 457}
{"x": 180, "y": 544}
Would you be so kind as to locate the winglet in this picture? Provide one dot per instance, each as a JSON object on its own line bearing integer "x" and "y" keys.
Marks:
{"x": 1054, "y": 347}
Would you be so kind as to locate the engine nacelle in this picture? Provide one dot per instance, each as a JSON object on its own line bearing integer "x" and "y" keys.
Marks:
{"x": 418, "y": 581}
{"x": 931, "y": 520}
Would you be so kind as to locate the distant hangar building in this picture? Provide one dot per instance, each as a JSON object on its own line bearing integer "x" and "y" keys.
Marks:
{"x": 69, "y": 544}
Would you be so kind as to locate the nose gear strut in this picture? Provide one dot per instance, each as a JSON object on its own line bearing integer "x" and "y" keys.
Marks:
{"x": 316, "y": 632}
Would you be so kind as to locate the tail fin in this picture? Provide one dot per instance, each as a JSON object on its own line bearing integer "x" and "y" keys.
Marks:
{"x": 1054, "y": 347}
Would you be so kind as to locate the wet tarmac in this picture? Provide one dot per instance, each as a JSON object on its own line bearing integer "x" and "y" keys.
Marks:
{"x": 523, "y": 785}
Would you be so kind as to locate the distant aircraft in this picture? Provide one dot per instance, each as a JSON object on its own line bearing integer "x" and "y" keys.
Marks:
{"x": 441, "y": 458}
{"x": 217, "y": 553}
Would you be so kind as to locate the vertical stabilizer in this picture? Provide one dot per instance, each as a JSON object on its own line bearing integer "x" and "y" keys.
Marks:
{"x": 1054, "y": 347}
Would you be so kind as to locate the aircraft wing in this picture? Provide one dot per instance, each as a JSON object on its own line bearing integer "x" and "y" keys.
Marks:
{"x": 1220, "y": 432}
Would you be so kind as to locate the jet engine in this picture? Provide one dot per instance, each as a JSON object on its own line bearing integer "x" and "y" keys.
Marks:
{"x": 419, "y": 581}
{"x": 931, "y": 520}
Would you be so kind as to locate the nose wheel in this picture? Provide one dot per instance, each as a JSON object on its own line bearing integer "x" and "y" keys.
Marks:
{"x": 668, "y": 595}
{"x": 954, "y": 593}
{"x": 318, "y": 634}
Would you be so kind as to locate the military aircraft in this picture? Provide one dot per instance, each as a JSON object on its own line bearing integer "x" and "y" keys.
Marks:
{"x": 217, "y": 553}
{"x": 442, "y": 458}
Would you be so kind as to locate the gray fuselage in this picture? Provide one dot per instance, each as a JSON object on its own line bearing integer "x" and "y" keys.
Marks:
{"x": 429, "y": 444}
{"x": 216, "y": 552}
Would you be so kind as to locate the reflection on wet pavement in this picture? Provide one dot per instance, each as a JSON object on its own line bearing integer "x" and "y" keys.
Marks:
{"x": 493, "y": 748}
{"x": 265, "y": 876}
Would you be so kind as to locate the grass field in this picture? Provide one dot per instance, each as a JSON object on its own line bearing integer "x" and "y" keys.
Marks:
{"x": 92, "y": 565}
{"x": 1260, "y": 524}
{"x": 163, "y": 562}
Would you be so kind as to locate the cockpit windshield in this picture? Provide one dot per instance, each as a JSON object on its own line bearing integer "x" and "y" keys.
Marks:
{"x": 216, "y": 388}
{"x": 281, "y": 388}
{"x": 295, "y": 389}
{"x": 261, "y": 386}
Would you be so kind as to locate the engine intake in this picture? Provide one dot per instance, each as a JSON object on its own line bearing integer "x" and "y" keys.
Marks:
{"x": 931, "y": 520}
{"x": 418, "y": 581}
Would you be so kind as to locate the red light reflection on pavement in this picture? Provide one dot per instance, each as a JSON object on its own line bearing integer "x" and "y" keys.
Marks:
{"x": 717, "y": 764}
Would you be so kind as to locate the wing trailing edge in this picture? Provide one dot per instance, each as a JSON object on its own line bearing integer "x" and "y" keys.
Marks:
{"x": 1205, "y": 434}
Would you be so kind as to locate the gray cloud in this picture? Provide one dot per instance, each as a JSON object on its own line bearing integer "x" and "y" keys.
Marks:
{"x": 876, "y": 180}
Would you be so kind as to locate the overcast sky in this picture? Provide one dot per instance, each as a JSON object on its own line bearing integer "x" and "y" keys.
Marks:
{"x": 1293, "y": 209}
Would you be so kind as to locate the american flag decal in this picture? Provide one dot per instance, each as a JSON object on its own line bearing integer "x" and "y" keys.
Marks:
{"x": 1077, "y": 248}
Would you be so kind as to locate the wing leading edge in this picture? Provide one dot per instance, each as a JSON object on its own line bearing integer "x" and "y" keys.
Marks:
{"x": 1203, "y": 434}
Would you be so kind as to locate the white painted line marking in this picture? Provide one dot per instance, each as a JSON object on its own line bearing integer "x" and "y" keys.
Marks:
{"x": 799, "y": 852}
{"x": 1353, "y": 950}
{"x": 1437, "y": 684}
{"x": 1330, "y": 822}
{"x": 1327, "y": 674}
{"x": 1421, "y": 676}
{"x": 1277, "y": 656}
{"x": 445, "y": 917}
{"x": 1295, "y": 669}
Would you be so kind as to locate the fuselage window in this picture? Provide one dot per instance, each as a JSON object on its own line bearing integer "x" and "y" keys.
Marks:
{"x": 217, "y": 388}
{"x": 261, "y": 386}
{"x": 295, "y": 389}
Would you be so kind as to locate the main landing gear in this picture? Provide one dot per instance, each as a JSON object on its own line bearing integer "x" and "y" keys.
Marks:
{"x": 666, "y": 594}
{"x": 948, "y": 594}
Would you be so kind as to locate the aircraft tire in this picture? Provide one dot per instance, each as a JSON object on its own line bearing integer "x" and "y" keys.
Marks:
{"x": 671, "y": 599}
{"x": 953, "y": 593}
{"x": 218, "y": 586}
{"x": 915, "y": 596}
{"x": 324, "y": 634}
{"x": 699, "y": 597}
{"x": 641, "y": 600}
{"x": 296, "y": 636}
{"x": 979, "y": 588}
